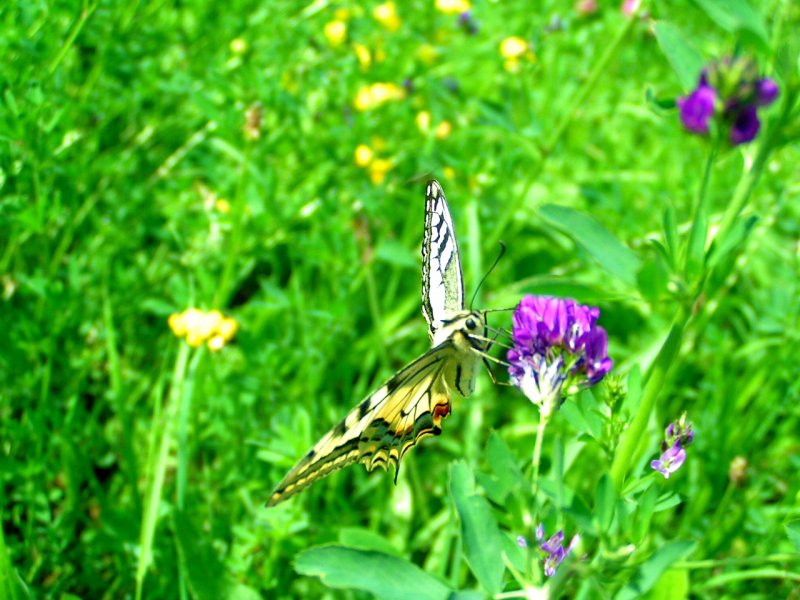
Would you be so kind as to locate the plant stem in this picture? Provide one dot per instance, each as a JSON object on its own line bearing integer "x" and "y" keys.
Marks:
{"x": 537, "y": 449}
{"x": 699, "y": 231}
{"x": 159, "y": 468}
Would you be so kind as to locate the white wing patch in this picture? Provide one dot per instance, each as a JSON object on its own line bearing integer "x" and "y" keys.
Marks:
{"x": 442, "y": 281}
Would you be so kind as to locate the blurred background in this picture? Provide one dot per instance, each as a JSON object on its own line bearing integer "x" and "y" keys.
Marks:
{"x": 267, "y": 160}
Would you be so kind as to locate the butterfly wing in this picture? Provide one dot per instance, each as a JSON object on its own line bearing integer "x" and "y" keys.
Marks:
{"x": 379, "y": 431}
{"x": 442, "y": 281}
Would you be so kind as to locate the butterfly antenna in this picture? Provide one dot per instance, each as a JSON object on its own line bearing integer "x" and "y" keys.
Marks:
{"x": 489, "y": 272}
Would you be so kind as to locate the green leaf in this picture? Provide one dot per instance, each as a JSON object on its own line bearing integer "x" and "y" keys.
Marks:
{"x": 483, "y": 542}
{"x": 672, "y": 585}
{"x": 366, "y": 539}
{"x": 587, "y": 233}
{"x": 385, "y": 576}
{"x": 684, "y": 59}
{"x": 735, "y": 15}
{"x": 646, "y": 508}
{"x": 605, "y": 500}
{"x": 504, "y": 465}
{"x": 793, "y": 531}
{"x": 648, "y": 574}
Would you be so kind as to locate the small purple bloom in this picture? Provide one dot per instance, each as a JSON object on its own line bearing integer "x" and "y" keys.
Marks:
{"x": 557, "y": 345}
{"x": 521, "y": 541}
{"x": 745, "y": 125}
{"x": 766, "y": 91}
{"x": 698, "y": 108}
{"x": 539, "y": 531}
{"x": 677, "y": 436}
{"x": 556, "y": 553}
{"x": 670, "y": 461}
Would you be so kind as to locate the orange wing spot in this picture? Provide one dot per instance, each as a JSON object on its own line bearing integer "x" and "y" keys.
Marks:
{"x": 441, "y": 410}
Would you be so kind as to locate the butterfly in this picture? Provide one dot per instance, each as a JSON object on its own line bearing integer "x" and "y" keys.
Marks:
{"x": 412, "y": 403}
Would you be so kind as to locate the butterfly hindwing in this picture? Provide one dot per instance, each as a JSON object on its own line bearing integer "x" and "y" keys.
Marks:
{"x": 380, "y": 429}
{"x": 442, "y": 281}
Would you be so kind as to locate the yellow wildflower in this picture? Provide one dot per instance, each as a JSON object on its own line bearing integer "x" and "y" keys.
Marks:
{"x": 424, "y": 121}
{"x": 453, "y": 7}
{"x": 443, "y": 130}
{"x": 199, "y": 327}
{"x": 449, "y": 173}
{"x": 238, "y": 46}
{"x": 374, "y": 95}
{"x": 386, "y": 15}
{"x": 513, "y": 47}
{"x": 223, "y": 206}
{"x": 363, "y": 55}
{"x": 363, "y": 155}
{"x": 378, "y": 170}
{"x": 216, "y": 343}
{"x": 335, "y": 32}
{"x": 227, "y": 328}
{"x": 342, "y": 14}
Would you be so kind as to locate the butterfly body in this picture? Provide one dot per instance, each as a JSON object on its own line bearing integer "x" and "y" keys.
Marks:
{"x": 411, "y": 404}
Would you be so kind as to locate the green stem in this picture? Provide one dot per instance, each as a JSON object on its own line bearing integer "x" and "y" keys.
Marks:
{"x": 86, "y": 12}
{"x": 159, "y": 469}
{"x": 537, "y": 449}
{"x": 631, "y": 437}
{"x": 736, "y": 562}
{"x": 746, "y": 184}
{"x": 699, "y": 231}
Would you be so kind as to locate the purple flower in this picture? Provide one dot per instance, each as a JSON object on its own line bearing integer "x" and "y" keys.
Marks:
{"x": 556, "y": 553}
{"x": 521, "y": 541}
{"x": 468, "y": 23}
{"x": 745, "y": 125}
{"x": 670, "y": 461}
{"x": 766, "y": 91}
{"x": 557, "y": 346}
{"x": 729, "y": 91}
{"x": 698, "y": 108}
{"x": 677, "y": 436}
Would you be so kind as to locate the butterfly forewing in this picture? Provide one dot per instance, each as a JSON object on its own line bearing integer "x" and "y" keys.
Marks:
{"x": 442, "y": 282}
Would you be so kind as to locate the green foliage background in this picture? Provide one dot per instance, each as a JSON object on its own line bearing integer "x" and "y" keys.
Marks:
{"x": 121, "y": 122}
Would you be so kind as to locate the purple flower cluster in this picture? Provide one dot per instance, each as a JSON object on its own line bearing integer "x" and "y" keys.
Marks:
{"x": 677, "y": 436}
{"x": 557, "y": 345}
{"x": 732, "y": 91}
{"x": 553, "y": 548}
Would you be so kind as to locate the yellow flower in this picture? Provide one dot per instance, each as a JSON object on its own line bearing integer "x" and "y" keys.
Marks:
{"x": 238, "y": 46}
{"x": 223, "y": 206}
{"x": 513, "y": 47}
{"x": 386, "y": 15}
{"x": 378, "y": 170}
{"x": 372, "y": 96}
{"x": 427, "y": 54}
{"x": 198, "y": 327}
{"x": 453, "y": 7}
{"x": 511, "y": 65}
{"x": 363, "y": 155}
{"x": 342, "y": 14}
{"x": 443, "y": 130}
{"x": 227, "y": 328}
{"x": 216, "y": 343}
{"x": 449, "y": 173}
{"x": 424, "y": 121}
{"x": 363, "y": 54}
{"x": 336, "y": 32}
{"x": 378, "y": 143}
{"x": 177, "y": 324}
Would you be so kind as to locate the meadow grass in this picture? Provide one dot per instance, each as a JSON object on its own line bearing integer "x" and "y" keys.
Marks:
{"x": 161, "y": 156}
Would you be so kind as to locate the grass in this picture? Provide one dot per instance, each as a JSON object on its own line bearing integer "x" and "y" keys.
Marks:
{"x": 161, "y": 156}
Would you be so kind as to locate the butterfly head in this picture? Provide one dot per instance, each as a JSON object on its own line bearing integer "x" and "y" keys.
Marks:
{"x": 469, "y": 330}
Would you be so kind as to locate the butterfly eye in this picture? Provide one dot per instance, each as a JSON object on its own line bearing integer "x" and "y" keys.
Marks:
{"x": 470, "y": 323}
